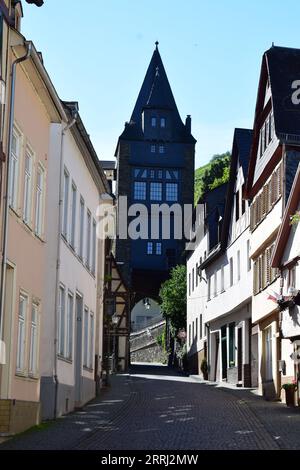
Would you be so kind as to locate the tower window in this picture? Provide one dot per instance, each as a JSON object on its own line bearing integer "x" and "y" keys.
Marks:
{"x": 160, "y": 174}
{"x": 158, "y": 248}
{"x": 156, "y": 191}
{"x": 139, "y": 190}
{"x": 153, "y": 148}
{"x": 153, "y": 121}
{"x": 163, "y": 122}
{"x": 161, "y": 149}
{"x": 149, "y": 248}
{"x": 171, "y": 191}
{"x": 152, "y": 173}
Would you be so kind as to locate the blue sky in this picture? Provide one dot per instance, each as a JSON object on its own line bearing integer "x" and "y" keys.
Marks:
{"x": 97, "y": 53}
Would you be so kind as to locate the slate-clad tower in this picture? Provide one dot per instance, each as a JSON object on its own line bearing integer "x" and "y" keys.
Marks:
{"x": 155, "y": 165}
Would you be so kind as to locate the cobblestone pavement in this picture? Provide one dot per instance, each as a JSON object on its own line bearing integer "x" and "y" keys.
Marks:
{"x": 157, "y": 408}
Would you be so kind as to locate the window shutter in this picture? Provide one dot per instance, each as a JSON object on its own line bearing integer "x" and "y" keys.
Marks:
{"x": 267, "y": 198}
{"x": 251, "y": 218}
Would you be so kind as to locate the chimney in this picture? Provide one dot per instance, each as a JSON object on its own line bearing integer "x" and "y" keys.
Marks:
{"x": 188, "y": 124}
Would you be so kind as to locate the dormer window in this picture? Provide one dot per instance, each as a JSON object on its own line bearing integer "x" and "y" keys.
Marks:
{"x": 153, "y": 122}
{"x": 161, "y": 149}
{"x": 163, "y": 122}
{"x": 266, "y": 134}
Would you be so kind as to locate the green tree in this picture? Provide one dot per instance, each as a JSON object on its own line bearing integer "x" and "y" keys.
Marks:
{"x": 173, "y": 298}
{"x": 212, "y": 175}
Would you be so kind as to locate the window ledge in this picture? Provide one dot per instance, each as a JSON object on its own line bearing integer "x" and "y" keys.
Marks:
{"x": 64, "y": 359}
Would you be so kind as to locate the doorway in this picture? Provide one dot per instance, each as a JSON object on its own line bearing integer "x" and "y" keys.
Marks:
{"x": 224, "y": 351}
{"x": 240, "y": 354}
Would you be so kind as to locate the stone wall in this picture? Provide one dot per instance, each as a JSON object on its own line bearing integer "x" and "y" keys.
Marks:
{"x": 144, "y": 346}
{"x": 17, "y": 416}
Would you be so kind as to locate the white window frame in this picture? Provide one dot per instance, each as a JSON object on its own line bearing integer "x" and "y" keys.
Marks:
{"x": 13, "y": 185}
{"x": 86, "y": 337}
{"x": 65, "y": 212}
{"x": 21, "y": 344}
{"x": 69, "y": 326}
{"x": 238, "y": 265}
{"x": 34, "y": 340}
{"x": 231, "y": 272}
{"x": 91, "y": 340}
{"x": 39, "y": 201}
{"x": 94, "y": 246}
{"x": 73, "y": 214}
{"x": 62, "y": 321}
{"x": 81, "y": 228}
{"x": 88, "y": 238}
{"x": 27, "y": 190}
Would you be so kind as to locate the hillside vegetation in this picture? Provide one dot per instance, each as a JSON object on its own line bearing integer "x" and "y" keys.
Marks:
{"x": 212, "y": 175}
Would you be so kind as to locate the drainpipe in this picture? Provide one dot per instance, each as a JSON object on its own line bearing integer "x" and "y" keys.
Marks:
{"x": 61, "y": 172}
{"x": 5, "y": 196}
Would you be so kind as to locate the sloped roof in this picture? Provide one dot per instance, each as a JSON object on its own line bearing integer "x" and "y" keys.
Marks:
{"x": 283, "y": 65}
{"x": 155, "y": 93}
{"x": 243, "y": 139}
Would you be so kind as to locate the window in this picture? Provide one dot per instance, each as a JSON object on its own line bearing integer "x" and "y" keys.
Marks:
{"x": 160, "y": 174}
{"x": 161, "y": 149}
{"x": 243, "y": 200}
{"x": 139, "y": 190}
{"x": 190, "y": 335}
{"x": 263, "y": 273}
{"x": 232, "y": 345}
{"x": 91, "y": 348}
{"x": 153, "y": 148}
{"x": 88, "y": 239}
{"x": 196, "y": 335}
{"x": 189, "y": 283}
{"x": 237, "y": 206}
{"x": 21, "y": 333}
{"x": 197, "y": 277}
{"x": 209, "y": 288}
{"x": 69, "y": 340}
{"x": 14, "y": 170}
{"x": 73, "y": 213}
{"x": 158, "y": 248}
{"x": 171, "y": 191}
{"x": 33, "y": 355}
{"x": 222, "y": 279}
{"x": 81, "y": 234}
{"x": 86, "y": 337}
{"x": 163, "y": 122}
{"x": 65, "y": 204}
{"x": 153, "y": 121}
{"x": 292, "y": 277}
{"x": 238, "y": 265}
{"x": 94, "y": 250}
{"x": 156, "y": 191}
{"x": 149, "y": 248}
{"x": 201, "y": 326}
{"x": 39, "y": 202}
{"x": 136, "y": 172}
{"x": 215, "y": 284}
{"x": 27, "y": 187}
{"x": 152, "y": 173}
{"x": 231, "y": 271}
{"x": 193, "y": 279}
{"x": 193, "y": 330}
{"x": 61, "y": 324}
{"x": 248, "y": 256}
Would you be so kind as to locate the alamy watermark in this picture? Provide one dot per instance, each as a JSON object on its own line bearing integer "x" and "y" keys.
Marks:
{"x": 153, "y": 222}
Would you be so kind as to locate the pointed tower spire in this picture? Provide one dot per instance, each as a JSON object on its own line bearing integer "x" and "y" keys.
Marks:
{"x": 156, "y": 44}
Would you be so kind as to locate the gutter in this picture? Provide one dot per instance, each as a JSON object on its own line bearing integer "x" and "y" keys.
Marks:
{"x": 29, "y": 48}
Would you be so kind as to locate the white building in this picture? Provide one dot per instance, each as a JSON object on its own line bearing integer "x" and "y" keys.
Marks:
{"x": 225, "y": 283}
{"x": 273, "y": 163}
{"x": 71, "y": 343}
{"x": 286, "y": 258}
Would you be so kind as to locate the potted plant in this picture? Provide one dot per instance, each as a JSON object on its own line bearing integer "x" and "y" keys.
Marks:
{"x": 290, "y": 388}
{"x": 204, "y": 369}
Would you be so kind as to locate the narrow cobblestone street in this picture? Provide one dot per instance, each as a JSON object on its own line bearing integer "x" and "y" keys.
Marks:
{"x": 156, "y": 408}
